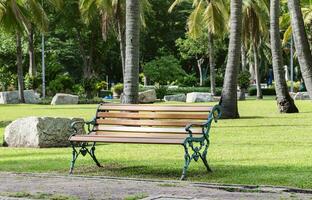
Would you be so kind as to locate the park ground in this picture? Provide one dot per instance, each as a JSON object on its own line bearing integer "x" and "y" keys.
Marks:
{"x": 263, "y": 147}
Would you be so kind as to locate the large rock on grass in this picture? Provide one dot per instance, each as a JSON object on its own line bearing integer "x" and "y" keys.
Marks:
{"x": 194, "y": 97}
{"x": 148, "y": 96}
{"x": 175, "y": 97}
{"x": 40, "y": 132}
{"x": 61, "y": 98}
{"x": 11, "y": 97}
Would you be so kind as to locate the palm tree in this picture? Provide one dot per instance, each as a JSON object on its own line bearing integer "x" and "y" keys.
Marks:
{"x": 301, "y": 43}
{"x": 211, "y": 16}
{"x": 15, "y": 17}
{"x": 284, "y": 101}
{"x": 255, "y": 17}
{"x": 112, "y": 14}
{"x": 228, "y": 99}
{"x": 131, "y": 76}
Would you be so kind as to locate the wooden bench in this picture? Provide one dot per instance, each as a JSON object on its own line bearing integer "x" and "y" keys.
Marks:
{"x": 186, "y": 125}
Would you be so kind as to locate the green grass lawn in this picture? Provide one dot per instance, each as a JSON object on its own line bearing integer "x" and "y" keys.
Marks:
{"x": 262, "y": 147}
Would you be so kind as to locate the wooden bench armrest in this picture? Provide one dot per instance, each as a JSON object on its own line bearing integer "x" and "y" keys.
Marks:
{"x": 88, "y": 123}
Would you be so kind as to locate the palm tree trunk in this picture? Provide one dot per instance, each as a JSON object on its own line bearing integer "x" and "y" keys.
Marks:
{"x": 301, "y": 43}
{"x": 31, "y": 51}
{"x": 244, "y": 59}
{"x": 284, "y": 101}
{"x": 228, "y": 99}
{"x": 20, "y": 76}
{"x": 121, "y": 36}
{"x": 257, "y": 72}
{"x": 199, "y": 66}
{"x": 212, "y": 65}
{"x": 131, "y": 78}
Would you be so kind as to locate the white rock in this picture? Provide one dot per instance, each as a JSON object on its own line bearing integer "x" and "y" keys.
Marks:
{"x": 199, "y": 97}
{"x": 11, "y": 97}
{"x": 148, "y": 96}
{"x": 61, "y": 98}
{"x": 40, "y": 132}
{"x": 302, "y": 96}
{"x": 175, "y": 97}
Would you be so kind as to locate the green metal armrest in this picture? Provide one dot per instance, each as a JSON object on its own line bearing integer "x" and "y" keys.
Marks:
{"x": 88, "y": 123}
{"x": 189, "y": 126}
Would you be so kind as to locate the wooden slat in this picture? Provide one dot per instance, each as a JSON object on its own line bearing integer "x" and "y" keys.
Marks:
{"x": 145, "y": 122}
{"x": 130, "y": 130}
{"x": 152, "y": 115}
{"x": 141, "y": 135}
{"x": 160, "y": 108}
{"x": 80, "y": 138}
{"x": 130, "y": 133}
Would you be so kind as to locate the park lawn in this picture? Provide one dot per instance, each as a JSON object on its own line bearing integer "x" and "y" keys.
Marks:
{"x": 263, "y": 147}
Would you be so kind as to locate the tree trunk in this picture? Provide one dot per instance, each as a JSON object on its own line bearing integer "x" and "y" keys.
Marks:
{"x": 121, "y": 37}
{"x": 301, "y": 43}
{"x": 284, "y": 101}
{"x": 242, "y": 95}
{"x": 31, "y": 51}
{"x": 20, "y": 76}
{"x": 199, "y": 66}
{"x": 228, "y": 99}
{"x": 212, "y": 65}
{"x": 244, "y": 58}
{"x": 131, "y": 78}
{"x": 257, "y": 72}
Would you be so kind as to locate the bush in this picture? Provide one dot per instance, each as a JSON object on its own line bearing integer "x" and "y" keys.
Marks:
{"x": 104, "y": 93}
{"x": 118, "y": 89}
{"x": 163, "y": 70}
{"x": 62, "y": 83}
{"x": 95, "y": 100}
{"x": 161, "y": 91}
{"x": 265, "y": 91}
{"x": 186, "y": 90}
{"x": 189, "y": 80}
{"x": 244, "y": 79}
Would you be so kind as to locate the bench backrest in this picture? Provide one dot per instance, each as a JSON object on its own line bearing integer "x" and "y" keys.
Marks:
{"x": 134, "y": 118}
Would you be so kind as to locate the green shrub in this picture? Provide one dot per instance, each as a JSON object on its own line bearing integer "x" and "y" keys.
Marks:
{"x": 78, "y": 90}
{"x": 186, "y": 90}
{"x": 95, "y": 100}
{"x": 244, "y": 79}
{"x": 62, "y": 83}
{"x": 118, "y": 88}
{"x": 104, "y": 93}
{"x": 265, "y": 91}
{"x": 189, "y": 80}
{"x": 161, "y": 91}
{"x": 163, "y": 70}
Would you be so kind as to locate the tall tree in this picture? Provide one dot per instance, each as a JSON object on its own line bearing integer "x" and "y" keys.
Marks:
{"x": 228, "y": 99}
{"x": 210, "y": 16}
{"x": 284, "y": 101}
{"x": 301, "y": 43}
{"x": 131, "y": 76}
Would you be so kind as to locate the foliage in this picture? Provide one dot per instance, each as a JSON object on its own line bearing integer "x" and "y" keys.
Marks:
{"x": 32, "y": 82}
{"x": 78, "y": 90}
{"x": 244, "y": 79}
{"x": 163, "y": 70}
{"x": 189, "y": 80}
{"x": 101, "y": 85}
{"x": 186, "y": 90}
{"x": 265, "y": 91}
{"x": 7, "y": 79}
{"x": 161, "y": 91}
{"x": 62, "y": 83}
{"x": 118, "y": 88}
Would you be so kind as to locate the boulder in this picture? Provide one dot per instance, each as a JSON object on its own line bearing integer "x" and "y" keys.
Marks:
{"x": 61, "y": 98}
{"x": 11, "y": 97}
{"x": 302, "y": 96}
{"x": 176, "y": 97}
{"x": 148, "y": 96}
{"x": 40, "y": 132}
{"x": 198, "y": 97}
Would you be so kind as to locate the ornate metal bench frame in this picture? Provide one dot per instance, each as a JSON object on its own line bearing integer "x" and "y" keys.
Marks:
{"x": 198, "y": 145}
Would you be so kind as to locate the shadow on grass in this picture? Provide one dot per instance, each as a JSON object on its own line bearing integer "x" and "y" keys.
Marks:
{"x": 4, "y": 123}
{"x": 260, "y": 126}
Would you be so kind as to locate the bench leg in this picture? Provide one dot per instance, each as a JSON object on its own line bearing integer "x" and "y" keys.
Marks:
{"x": 92, "y": 154}
{"x": 83, "y": 151}
{"x": 199, "y": 148}
{"x": 187, "y": 161}
{"x": 74, "y": 158}
{"x": 203, "y": 156}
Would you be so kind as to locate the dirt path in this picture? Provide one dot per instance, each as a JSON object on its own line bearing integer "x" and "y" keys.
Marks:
{"x": 49, "y": 186}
